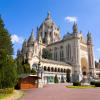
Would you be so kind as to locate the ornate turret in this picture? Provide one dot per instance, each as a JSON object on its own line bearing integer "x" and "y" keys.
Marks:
{"x": 90, "y": 54}
{"x": 25, "y": 43}
{"x": 75, "y": 28}
{"x": 31, "y": 38}
{"x": 89, "y": 38}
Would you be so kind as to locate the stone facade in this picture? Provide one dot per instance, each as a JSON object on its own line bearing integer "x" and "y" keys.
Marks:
{"x": 73, "y": 52}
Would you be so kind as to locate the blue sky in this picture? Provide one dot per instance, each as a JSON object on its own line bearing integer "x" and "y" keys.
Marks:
{"x": 20, "y": 16}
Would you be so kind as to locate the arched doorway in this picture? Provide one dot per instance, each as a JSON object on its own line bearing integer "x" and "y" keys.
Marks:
{"x": 84, "y": 66}
{"x": 68, "y": 78}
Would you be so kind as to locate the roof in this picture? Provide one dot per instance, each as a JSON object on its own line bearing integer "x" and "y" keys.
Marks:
{"x": 55, "y": 62}
{"x": 26, "y": 75}
{"x": 48, "y": 21}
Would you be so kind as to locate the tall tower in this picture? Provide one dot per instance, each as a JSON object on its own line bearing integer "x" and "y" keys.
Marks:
{"x": 48, "y": 31}
{"x": 30, "y": 44}
{"x": 90, "y": 54}
{"x": 77, "y": 71}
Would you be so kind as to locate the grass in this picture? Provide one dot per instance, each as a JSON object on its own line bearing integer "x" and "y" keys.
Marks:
{"x": 18, "y": 94}
{"x": 82, "y": 87}
{"x": 4, "y": 95}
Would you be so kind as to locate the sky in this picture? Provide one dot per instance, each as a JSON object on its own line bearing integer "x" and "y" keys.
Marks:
{"x": 21, "y": 16}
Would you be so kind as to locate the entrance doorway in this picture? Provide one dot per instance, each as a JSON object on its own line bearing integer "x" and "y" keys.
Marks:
{"x": 68, "y": 78}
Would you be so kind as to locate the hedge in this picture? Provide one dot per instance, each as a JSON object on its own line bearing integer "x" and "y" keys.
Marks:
{"x": 92, "y": 82}
{"x": 76, "y": 83}
{"x": 97, "y": 84}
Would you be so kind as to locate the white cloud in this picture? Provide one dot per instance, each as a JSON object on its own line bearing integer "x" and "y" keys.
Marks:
{"x": 71, "y": 19}
{"x": 16, "y": 39}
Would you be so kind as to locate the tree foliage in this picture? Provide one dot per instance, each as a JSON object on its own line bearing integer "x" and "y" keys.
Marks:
{"x": 23, "y": 67}
{"x": 8, "y": 73}
{"x": 5, "y": 39}
{"x": 46, "y": 54}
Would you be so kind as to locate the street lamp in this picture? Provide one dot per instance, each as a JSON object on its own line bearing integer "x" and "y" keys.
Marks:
{"x": 38, "y": 66}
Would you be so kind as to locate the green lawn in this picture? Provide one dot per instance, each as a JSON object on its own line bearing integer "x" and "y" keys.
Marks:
{"x": 4, "y": 95}
{"x": 81, "y": 87}
{"x": 18, "y": 94}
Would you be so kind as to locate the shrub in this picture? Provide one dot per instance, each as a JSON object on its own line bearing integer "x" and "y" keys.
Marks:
{"x": 55, "y": 79}
{"x": 97, "y": 84}
{"x": 6, "y": 91}
{"x": 76, "y": 83}
{"x": 92, "y": 82}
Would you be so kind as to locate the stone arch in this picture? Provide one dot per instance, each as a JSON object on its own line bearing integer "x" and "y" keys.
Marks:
{"x": 48, "y": 69}
{"x": 45, "y": 69}
{"x": 64, "y": 70}
{"x": 52, "y": 69}
{"x": 58, "y": 69}
{"x": 84, "y": 66}
{"x": 61, "y": 70}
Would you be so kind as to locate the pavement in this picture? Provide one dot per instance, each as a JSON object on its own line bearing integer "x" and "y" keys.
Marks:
{"x": 60, "y": 92}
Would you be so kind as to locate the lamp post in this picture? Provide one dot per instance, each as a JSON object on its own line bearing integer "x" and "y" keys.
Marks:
{"x": 38, "y": 66}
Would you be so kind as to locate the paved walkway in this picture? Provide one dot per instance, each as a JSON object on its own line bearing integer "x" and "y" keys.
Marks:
{"x": 60, "y": 92}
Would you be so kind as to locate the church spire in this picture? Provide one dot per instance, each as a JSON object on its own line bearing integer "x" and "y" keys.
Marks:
{"x": 75, "y": 28}
{"x": 31, "y": 38}
{"x": 49, "y": 15}
{"x": 25, "y": 43}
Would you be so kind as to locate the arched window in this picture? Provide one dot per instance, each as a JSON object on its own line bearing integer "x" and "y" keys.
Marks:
{"x": 48, "y": 69}
{"x": 61, "y": 54}
{"x": 55, "y": 69}
{"x": 55, "y": 53}
{"x": 68, "y": 51}
{"x": 45, "y": 69}
{"x": 58, "y": 69}
{"x": 52, "y": 69}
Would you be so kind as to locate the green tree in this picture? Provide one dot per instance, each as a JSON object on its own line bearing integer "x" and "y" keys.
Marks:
{"x": 8, "y": 74}
{"x": 5, "y": 39}
{"x": 56, "y": 79}
{"x": 46, "y": 54}
{"x": 27, "y": 69}
{"x": 33, "y": 71}
{"x": 23, "y": 67}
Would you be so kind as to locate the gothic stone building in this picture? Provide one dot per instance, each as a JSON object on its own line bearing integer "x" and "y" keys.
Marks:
{"x": 72, "y": 56}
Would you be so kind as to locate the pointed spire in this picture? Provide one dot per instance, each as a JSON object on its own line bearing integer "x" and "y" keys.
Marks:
{"x": 31, "y": 38}
{"x": 25, "y": 43}
{"x": 48, "y": 15}
{"x": 75, "y": 28}
{"x": 32, "y": 34}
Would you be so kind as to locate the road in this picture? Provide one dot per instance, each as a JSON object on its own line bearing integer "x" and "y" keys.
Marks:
{"x": 60, "y": 92}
